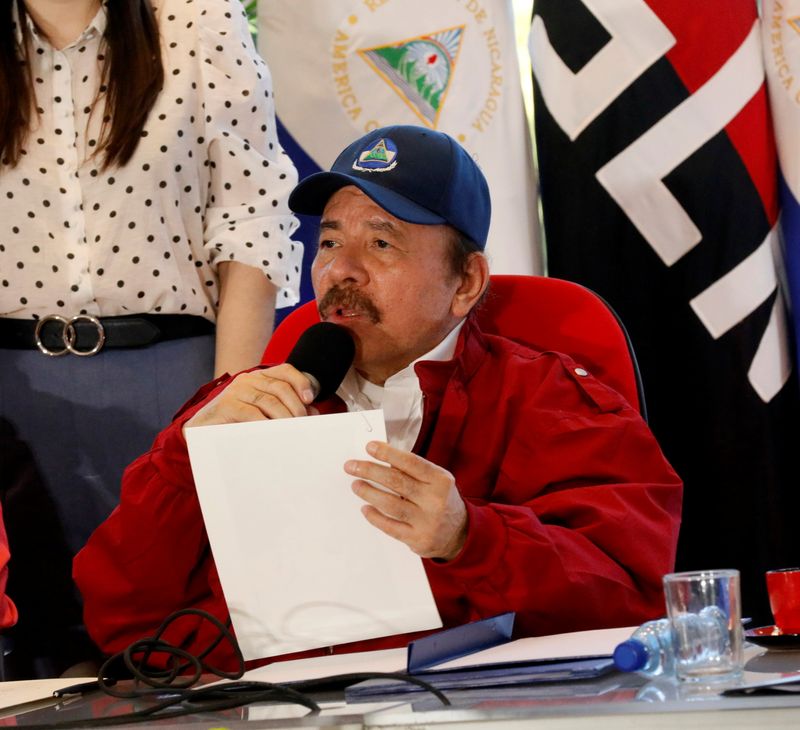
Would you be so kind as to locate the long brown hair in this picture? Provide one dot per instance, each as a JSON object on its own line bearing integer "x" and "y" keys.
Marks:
{"x": 131, "y": 79}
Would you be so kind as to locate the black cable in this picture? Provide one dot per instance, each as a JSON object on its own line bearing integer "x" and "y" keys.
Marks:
{"x": 309, "y": 685}
{"x": 213, "y": 703}
{"x": 183, "y": 670}
{"x": 173, "y": 676}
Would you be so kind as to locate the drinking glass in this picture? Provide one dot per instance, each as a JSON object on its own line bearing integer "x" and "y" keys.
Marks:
{"x": 704, "y": 608}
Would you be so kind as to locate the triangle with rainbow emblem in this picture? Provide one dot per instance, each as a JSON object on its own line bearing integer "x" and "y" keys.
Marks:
{"x": 419, "y": 69}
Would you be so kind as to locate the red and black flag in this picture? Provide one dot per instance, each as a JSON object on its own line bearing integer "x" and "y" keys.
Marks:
{"x": 658, "y": 182}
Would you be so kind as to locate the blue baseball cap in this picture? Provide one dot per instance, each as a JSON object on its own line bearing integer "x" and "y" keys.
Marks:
{"x": 416, "y": 174}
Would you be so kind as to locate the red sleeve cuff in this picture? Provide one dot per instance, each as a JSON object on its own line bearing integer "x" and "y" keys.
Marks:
{"x": 483, "y": 549}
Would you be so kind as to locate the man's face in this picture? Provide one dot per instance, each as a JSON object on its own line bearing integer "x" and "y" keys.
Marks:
{"x": 387, "y": 281}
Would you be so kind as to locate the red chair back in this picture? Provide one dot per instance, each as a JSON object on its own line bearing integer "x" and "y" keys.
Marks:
{"x": 288, "y": 332}
{"x": 538, "y": 311}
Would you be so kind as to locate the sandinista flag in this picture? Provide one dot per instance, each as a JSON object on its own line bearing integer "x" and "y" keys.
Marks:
{"x": 781, "y": 35}
{"x": 658, "y": 178}
{"x": 341, "y": 69}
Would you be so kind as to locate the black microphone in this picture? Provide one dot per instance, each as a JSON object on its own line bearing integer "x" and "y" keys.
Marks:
{"x": 324, "y": 353}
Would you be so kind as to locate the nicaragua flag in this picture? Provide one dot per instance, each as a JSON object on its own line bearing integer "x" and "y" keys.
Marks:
{"x": 781, "y": 41}
{"x": 658, "y": 178}
{"x": 341, "y": 69}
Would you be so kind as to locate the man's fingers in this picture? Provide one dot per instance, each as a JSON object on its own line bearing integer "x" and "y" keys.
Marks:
{"x": 420, "y": 505}
{"x": 415, "y": 466}
{"x": 274, "y": 396}
{"x": 272, "y": 407}
{"x": 391, "y": 505}
{"x": 386, "y": 476}
{"x": 393, "y": 528}
{"x": 293, "y": 377}
{"x": 279, "y": 392}
{"x": 234, "y": 412}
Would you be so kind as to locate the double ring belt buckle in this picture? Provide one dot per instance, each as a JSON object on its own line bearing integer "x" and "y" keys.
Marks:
{"x": 69, "y": 335}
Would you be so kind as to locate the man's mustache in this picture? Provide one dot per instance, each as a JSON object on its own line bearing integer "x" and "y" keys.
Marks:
{"x": 346, "y": 298}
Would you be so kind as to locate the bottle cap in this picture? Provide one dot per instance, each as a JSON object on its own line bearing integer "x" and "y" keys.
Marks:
{"x": 630, "y": 656}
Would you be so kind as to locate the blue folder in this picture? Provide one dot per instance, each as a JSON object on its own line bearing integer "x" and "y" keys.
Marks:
{"x": 459, "y": 641}
{"x": 494, "y": 675}
{"x": 426, "y": 653}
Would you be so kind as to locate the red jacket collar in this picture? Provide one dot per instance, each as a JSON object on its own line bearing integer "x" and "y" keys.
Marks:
{"x": 435, "y": 375}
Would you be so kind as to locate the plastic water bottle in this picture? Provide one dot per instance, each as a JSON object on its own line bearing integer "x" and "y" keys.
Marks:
{"x": 648, "y": 651}
{"x": 651, "y": 648}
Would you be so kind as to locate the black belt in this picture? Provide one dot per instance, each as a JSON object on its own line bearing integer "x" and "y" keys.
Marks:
{"x": 85, "y": 334}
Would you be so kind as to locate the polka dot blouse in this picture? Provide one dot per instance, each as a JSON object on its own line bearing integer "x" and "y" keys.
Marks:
{"x": 208, "y": 182}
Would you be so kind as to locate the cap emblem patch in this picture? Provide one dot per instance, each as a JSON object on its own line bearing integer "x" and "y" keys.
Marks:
{"x": 380, "y": 157}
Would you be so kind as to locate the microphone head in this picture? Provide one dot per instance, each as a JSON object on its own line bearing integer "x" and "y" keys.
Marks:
{"x": 324, "y": 351}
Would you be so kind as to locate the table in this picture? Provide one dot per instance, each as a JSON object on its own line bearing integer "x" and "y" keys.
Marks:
{"x": 615, "y": 701}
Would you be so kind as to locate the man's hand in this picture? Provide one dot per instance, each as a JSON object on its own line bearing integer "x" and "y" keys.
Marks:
{"x": 279, "y": 392}
{"x": 424, "y": 509}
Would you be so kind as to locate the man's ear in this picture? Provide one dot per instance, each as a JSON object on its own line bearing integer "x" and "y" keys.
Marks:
{"x": 474, "y": 281}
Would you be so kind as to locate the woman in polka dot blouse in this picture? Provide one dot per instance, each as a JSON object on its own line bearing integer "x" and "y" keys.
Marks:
{"x": 142, "y": 199}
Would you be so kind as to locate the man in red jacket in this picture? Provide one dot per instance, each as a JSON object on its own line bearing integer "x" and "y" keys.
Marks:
{"x": 8, "y": 611}
{"x": 522, "y": 482}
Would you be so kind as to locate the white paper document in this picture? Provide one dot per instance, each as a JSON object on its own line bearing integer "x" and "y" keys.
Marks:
{"x": 596, "y": 642}
{"x": 299, "y": 564}
{"x": 316, "y": 667}
{"x": 555, "y": 646}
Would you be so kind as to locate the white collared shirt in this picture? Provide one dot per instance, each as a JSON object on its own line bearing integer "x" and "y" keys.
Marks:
{"x": 207, "y": 183}
{"x": 400, "y": 396}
